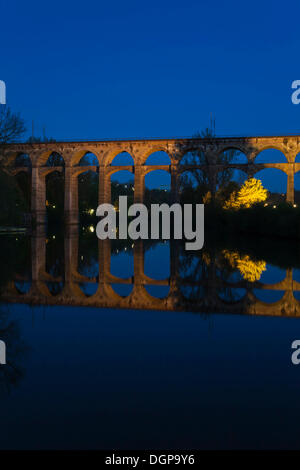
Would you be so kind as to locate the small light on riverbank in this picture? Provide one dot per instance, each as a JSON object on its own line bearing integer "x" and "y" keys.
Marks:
{"x": 294, "y": 205}
{"x": 266, "y": 204}
{"x": 91, "y": 228}
{"x": 274, "y": 207}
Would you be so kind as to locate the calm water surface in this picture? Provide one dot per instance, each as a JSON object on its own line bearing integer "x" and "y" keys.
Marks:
{"x": 186, "y": 375}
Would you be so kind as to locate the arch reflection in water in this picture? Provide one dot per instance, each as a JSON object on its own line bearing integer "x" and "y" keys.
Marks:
{"x": 223, "y": 281}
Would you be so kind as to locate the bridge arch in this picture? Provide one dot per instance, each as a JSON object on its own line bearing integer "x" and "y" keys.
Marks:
{"x": 75, "y": 157}
{"x": 191, "y": 177}
{"x": 159, "y": 157}
{"x": 157, "y": 185}
{"x": 87, "y": 159}
{"x": 268, "y": 297}
{"x": 55, "y": 159}
{"x": 40, "y": 158}
{"x": 275, "y": 180}
{"x": 154, "y": 152}
{"x": 157, "y": 292}
{"x": 122, "y": 159}
{"x": 124, "y": 156}
{"x": 270, "y": 154}
{"x": 123, "y": 291}
{"x": 87, "y": 190}
{"x": 192, "y": 156}
{"x": 55, "y": 187}
{"x": 121, "y": 184}
{"x": 233, "y": 154}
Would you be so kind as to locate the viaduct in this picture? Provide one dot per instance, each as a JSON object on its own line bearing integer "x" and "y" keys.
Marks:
{"x": 206, "y": 293}
{"x": 140, "y": 150}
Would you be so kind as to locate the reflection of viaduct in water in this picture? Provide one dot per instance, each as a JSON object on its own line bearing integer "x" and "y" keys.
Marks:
{"x": 208, "y": 300}
{"x": 105, "y": 151}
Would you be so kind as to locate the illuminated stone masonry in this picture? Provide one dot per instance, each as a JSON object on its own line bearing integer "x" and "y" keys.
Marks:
{"x": 105, "y": 151}
{"x": 208, "y": 290}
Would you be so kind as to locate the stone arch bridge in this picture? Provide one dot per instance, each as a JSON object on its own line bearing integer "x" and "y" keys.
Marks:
{"x": 208, "y": 289}
{"x": 106, "y": 151}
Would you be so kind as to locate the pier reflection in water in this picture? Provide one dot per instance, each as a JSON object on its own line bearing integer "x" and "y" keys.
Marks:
{"x": 147, "y": 373}
{"x": 78, "y": 269}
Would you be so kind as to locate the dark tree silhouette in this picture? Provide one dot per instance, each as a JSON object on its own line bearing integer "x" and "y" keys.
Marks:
{"x": 202, "y": 178}
{"x": 12, "y": 126}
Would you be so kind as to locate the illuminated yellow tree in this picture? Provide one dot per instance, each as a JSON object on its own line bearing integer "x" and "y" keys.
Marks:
{"x": 250, "y": 270}
{"x": 251, "y": 192}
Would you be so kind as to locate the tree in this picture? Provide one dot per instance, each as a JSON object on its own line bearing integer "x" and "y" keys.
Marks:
{"x": 250, "y": 269}
{"x": 251, "y": 192}
{"x": 11, "y": 200}
{"x": 202, "y": 180}
{"x": 12, "y": 126}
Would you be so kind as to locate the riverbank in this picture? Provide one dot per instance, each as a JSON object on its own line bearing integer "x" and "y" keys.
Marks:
{"x": 275, "y": 222}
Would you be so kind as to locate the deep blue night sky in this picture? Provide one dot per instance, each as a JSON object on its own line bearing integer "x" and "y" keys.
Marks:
{"x": 93, "y": 69}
